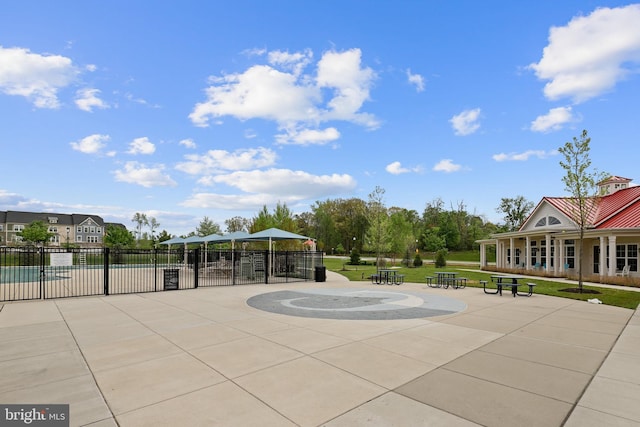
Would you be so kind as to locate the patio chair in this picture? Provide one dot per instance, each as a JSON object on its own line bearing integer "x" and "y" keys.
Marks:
{"x": 624, "y": 272}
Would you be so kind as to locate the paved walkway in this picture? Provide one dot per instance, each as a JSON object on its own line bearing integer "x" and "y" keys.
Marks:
{"x": 205, "y": 357}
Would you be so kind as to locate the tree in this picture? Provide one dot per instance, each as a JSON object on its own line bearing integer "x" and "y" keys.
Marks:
{"x": 36, "y": 232}
{"x": 581, "y": 183}
{"x": 379, "y": 222}
{"x": 153, "y": 226}
{"x": 140, "y": 220}
{"x": 237, "y": 223}
{"x": 164, "y": 236}
{"x": 207, "y": 227}
{"x": 117, "y": 237}
{"x": 515, "y": 210}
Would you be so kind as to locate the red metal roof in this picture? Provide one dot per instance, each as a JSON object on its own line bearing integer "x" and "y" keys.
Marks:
{"x": 628, "y": 218}
{"x": 618, "y": 210}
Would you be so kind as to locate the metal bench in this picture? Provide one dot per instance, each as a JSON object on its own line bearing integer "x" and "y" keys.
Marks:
{"x": 431, "y": 283}
{"x": 531, "y": 286}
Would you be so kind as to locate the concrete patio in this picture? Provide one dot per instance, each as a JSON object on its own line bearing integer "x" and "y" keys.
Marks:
{"x": 204, "y": 357}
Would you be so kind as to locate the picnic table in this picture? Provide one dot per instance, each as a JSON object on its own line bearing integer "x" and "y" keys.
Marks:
{"x": 388, "y": 277}
{"x": 510, "y": 281}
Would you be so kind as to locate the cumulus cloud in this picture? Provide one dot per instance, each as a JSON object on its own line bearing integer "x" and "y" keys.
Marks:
{"x": 251, "y": 94}
{"x": 215, "y": 161}
{"x": 92, "y": 144}
{"x": 188, "y": 143}
{"x": 36, "y": 77}
{"x": 396, "y": 168}
{"x": 140, "y": 174}
{"x": 270, "y": 186}
{"x": 295, "y": 62}
{"x": 308, "y": 136}
{"x": 141, "y": 146}
{"x": 417, "y": 80}
{"x": 541, "y": 154}
{"x": 553, "y": 120}
{"x": 466, "y": 122}
{"x": 87, "y": 99}
{"x": 446, "y": 165}
{"x": 590, "y": 54}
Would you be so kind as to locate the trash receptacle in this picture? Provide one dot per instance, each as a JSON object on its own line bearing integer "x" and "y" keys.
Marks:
{"x": 321, "y": 273}
{"x": 171, "y": 279}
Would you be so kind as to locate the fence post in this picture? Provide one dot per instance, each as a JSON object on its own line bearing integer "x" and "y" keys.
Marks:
{"x": 42, "y": 273}
{"x": 155, "y": 269}
{"x": 196, "y": 267}
{"x": 106, "y": 270}
{"x": 267, "y": 269}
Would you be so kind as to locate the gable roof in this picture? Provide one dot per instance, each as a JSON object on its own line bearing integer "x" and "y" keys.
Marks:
{"x": 618, "y": 210}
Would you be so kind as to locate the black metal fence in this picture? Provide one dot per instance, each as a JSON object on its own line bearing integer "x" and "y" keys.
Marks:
{"x": 42, "y": 273}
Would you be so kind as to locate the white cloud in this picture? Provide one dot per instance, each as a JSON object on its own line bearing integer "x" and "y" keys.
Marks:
{"x": 214, "y": 161}
{"x": 589, "y": 55}
{"x": 269, "y": 187}
{"x": 296, "y": 62}
{"x": 188, "y": 143}
{"x": 541, "y": 154}
{"x": 396, "y": 168}
{"x": 141, "y": 146}
{"x": 553, "y": 120}
{"x": 308, "y": 136}
{"x": 251, "y": 94}
{"x": 137, "y": 173}
{"x": 34, "y": 76}
{"x": 466, "y": 122}
{"x": 417, "y": 80}
{"x": 92, "y": 144}
{"x": 87, "y": 99}
{"x": 446, "y": 165}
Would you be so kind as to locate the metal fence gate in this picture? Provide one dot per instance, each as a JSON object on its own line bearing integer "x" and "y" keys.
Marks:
{"x": 41, "y": 273}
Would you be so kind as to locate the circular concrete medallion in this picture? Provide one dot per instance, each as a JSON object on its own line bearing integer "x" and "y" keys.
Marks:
{"x": 355, "y": 304}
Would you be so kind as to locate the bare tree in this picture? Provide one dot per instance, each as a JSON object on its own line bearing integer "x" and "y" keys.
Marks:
{"x": 581, "y": 183}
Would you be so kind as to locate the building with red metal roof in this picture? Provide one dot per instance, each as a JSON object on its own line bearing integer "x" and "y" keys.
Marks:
{"x": 548, "y": 240}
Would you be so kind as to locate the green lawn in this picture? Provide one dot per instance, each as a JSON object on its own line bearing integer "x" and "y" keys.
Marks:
{"x": 616, "y": 297}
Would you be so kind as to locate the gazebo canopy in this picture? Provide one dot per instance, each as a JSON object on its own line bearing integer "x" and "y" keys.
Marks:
{"x": 275, "y": 234}
{"x": 174, "y": 241}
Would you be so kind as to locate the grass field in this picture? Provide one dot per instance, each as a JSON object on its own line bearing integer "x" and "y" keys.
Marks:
{"x": 616, "y": 297}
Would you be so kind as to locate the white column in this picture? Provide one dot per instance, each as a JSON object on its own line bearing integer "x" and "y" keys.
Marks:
{"x": 547, "y": 260}
{"x": 612, "y": 255}
{"x": 527, "y": 253}
{"x": 603, "y": 257}
{"x": 483, "y": 255}
{"x": 512, "y": 258}
{"x": 559, "y": 265}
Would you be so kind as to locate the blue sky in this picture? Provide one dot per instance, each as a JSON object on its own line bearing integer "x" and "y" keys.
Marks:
{"x": 182, "y": 110}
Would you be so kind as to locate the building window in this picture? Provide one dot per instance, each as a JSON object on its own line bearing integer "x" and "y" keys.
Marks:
{"x": 17, "y": 227}
{"x": 55, "y": 239}
{"x": 79, "y": 230}
{"x": 93, "y": 230}
{"x": 542, "y": 222}
{"x": 554, "y": 221}
{"x": 99, "y": 230}
{"x": 1, "y": 227}
{"x": 53, "y": 229}
{"x": 627, "y": 255}
{"x": 92, "y": 239}
{"x": 570, "y": 253}
{"x": 53, "y": 220}
{"x": 86, "y": 229}
{"x": 78, "y": 238}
